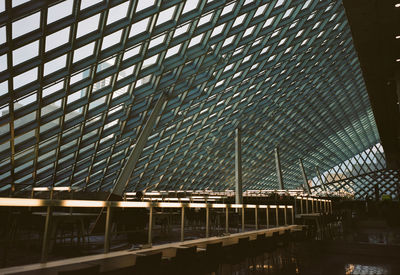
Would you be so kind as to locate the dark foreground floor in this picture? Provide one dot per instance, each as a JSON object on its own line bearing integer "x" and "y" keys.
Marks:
{"x": 364, "y": 246}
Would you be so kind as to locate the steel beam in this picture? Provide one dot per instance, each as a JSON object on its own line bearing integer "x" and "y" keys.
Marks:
{"x": 46, "y": 235}
{"x": 303, "y": 173}
{"x": 243, "y": 218}
{"x": 278, "y": 169}
{"x": 207, "y": 222}
{"x": 127, "y": 170}
{"x": 183, "y": 224}
{"x": 256, "y": 217}
{"x": 320, "y": 178}
{"x": 227, "y": 220}
{"x": 107, "y": 234}
{"x": 149, "y": 236}
{"x": 238, "y": 168}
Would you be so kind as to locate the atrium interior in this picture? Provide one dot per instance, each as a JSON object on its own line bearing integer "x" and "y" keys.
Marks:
{"x": 199, "y": 136}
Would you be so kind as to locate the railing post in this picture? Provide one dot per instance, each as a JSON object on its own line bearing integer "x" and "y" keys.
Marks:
{"x": 307, "y": 207}
{"x": 183, "y": 224}
{"x": 46, "y": 236}
{"x": 227, "y": 219}
{"x": 242, "y": 217}
{"x": 331, "y": 207}
{"x": 312, "y": 206}
{"x": 107, "y": 231}
{"x": 150, "y": 239}
{"x": 256, "y": 217}
{"x": 301, "y": 205}
{"x": 293, "y": 213}
{"x": 277, "y": 215}
{"x": 207, "y": 221}
{"x": 267, "y": 212}
{"x": 285, "y": 212}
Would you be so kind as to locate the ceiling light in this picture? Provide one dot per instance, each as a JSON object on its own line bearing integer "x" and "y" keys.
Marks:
{"x": 397, "y": 5}
{"x": 397, "y": 36}
{"x": 398, "y": 60}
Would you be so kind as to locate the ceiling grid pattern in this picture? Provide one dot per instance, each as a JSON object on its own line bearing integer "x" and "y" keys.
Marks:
{"x": 81, "y": 79}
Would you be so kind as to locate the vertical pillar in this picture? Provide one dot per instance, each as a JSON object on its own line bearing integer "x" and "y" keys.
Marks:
{"x": 107, "y": 231}
{"x": 149, "y": 236}
{"x": 267, "y": 213}
{"x": 46, "y": 235}
{"x": 278, "y": 169}
{"x": 227, "y": 219}
{"x": 301, "y": 205}
{"x": 304, "y": 175}
{"x": 285, "y": 213}
{"x": 238, "y": 167}
{"x": 277, "y": 215}
{"x": 397, "y": 77}
{"x": 183, "y": 224}
{"x": 256, "y": 217}
{"x": 243, "y": 218}
{"x": 312, "y": 206}
{"x": 307, "y": 205}
{"x": 292, "y": 216}
{"x": 331, "y": 207}
{"x": 207, "y": 221}
{"x": 320, "y": 178}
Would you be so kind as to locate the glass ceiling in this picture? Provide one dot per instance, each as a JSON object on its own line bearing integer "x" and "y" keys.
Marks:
{"x": 79, "y": 79}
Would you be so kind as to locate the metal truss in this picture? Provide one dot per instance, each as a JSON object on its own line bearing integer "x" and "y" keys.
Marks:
{"x": 74, "y": 98}
{"x": 360, "y": 174}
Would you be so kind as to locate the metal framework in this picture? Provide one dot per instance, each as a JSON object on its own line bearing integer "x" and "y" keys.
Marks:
{"x": 359, "y": 176}
{"x": 79, "y": 79}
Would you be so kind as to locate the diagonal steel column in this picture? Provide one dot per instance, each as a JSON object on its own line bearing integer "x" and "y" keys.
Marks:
{"x": 238, "y": 167}
{"x": 303, "y": 173}
{"x": 278, "y": 169}
{"x": 126, "y": 173}
{"x": 320, "y": 178}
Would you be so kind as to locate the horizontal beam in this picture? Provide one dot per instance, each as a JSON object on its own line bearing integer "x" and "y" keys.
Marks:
{"x": 20, "y": 202}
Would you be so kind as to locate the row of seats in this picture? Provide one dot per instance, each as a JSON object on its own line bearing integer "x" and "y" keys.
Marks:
{"x": 215, "y": 258}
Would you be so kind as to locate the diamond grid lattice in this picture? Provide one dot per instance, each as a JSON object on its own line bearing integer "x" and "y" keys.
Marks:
{"x": 360, "y": 174}
{"x": 80, "y": 79}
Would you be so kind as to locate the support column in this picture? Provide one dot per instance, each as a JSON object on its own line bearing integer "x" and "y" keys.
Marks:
{"x": 182, "y": 224}
{"x": 285, "y": 213}
{"x": 130, "y": 164}
{"x": 149, "y": 236}
{"x": 267, "y": 212}
{"x": 46, "y": 235}
{"x": 207, "y": 221}
{"x": 312, "y": 206}
{"x": 227, "y": 219}
{"x": 256, "y": 217}
{"x": 307, "y": 206}
{"x": 397, "y": 76}
{"x": 238, "y": 168}
{"x": 277, "y": 215}
{"x": 278, "y": 169}
{"x": 243, "y": 218}
{"x": 301, "y": 205}
{"x": 292, "y": 215}
{"x": 303, "y": 173}
{"x": 107, "y": 231}
{"x": 320, "y": 178}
